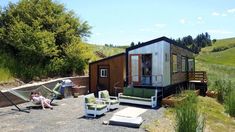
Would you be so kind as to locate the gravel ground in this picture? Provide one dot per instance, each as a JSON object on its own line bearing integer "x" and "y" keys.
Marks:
{"x": 68, "y": 116}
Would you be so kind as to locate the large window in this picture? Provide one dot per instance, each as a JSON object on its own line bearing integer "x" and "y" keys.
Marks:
{"x": 174, "y": 59}
{"x": 183, "y": 63}
{"x": 103, "y": 72}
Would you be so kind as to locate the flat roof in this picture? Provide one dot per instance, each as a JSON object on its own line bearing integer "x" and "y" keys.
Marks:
{"x": 107, "y": 58}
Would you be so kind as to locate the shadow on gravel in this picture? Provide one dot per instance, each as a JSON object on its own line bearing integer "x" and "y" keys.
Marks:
{"x": 90, "y": 117}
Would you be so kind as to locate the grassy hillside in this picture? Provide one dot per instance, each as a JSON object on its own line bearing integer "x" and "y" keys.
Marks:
{"x": 229, "y": 42}
{"x": 108, "y": 51}
{"x": 226, "y": 57}
{"x": 90, "y": 49}
{"x": 220, "y": 64}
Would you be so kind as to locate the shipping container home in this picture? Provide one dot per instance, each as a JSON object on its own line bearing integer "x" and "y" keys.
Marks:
{"x": 107, "y": 73}
{"x": 160, "y": 64}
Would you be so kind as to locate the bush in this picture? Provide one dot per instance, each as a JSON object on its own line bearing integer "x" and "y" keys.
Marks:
{"x": 213, "y": 41}
{"x": 217, "y": 49}
{"x": 187, "y": 117}
{"x": 223, "y": 88}
{"x": 230, "y": 103}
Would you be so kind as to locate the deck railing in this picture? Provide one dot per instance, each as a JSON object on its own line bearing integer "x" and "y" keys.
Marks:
{"x": 197, "y": 76}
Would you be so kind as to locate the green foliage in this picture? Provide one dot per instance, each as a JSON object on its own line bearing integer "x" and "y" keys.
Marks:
{"x": 214, "y": 40}
{"x": 187, "y": 117}
{"x": 230, "y": 103}
{"x": 217, "y": 49}
{"x": 223, "y": 47}
{"x": 5, "y": 74}
{"x": 201, "y": 40}
{"x": 223, "y": 88}
{"x": 42, "y": 36}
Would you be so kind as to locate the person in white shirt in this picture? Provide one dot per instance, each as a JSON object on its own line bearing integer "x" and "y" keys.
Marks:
{"x": 39, "y": 99}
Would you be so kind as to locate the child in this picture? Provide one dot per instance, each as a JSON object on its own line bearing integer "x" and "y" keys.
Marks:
{"x": 39, "y": 99}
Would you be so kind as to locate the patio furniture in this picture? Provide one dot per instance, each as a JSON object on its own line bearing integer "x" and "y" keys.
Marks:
{"x": 111, "y": 101}
{"x": 142, "y": 96}
{"x": 94, "y": 106}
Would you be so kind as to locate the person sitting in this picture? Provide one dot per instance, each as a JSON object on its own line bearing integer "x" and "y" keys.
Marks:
{"x": 37, "y": 98}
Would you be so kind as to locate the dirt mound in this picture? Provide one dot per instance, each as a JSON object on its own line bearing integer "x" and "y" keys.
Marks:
{"x": 10, "y": 84}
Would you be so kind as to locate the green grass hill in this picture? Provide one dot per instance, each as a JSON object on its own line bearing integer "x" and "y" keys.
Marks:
{"x": 218, "y": 60}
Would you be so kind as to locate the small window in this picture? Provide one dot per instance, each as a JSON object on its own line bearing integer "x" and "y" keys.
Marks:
{"x": 183, "y": 59}
{"x": 174, "y": 60}
{"x": 166, "y": 57}
{"x": 103, "y": 72}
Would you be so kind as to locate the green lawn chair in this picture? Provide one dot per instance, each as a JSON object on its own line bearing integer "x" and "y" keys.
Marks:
{"x": 56, "y": 90}
{"x": 93, "y": 106}
{"x": 111, "y": 101}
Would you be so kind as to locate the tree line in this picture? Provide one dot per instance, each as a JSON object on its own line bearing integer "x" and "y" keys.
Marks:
{"x": 195, "y": 44}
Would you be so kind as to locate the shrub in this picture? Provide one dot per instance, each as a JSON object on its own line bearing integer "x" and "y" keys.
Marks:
{"x": 217, "y": 49}
{"x": 213, "y": 41}
{"x": 230, "y": 103}
{"x": 187, "y": 117}
{"x": 223, "y": 88}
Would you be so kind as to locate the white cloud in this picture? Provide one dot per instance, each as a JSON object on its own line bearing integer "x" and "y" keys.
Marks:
{"x": 160, "y": 25}
{"x": 224, "y": 14}
{"x": 182, "y": 21}
{"x": 219, "y": 31}
{"x": 215, "y": 14}
{"x": 231, "y": 10}
{"x": 199, "y": 18}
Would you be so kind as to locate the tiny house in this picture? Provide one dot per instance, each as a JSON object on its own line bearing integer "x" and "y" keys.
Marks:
{"x": 107, "y": 73}
{"x": 160, "y": 64}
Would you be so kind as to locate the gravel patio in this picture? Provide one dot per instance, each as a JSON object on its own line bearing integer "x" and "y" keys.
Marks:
{"x": 68, "y": 116}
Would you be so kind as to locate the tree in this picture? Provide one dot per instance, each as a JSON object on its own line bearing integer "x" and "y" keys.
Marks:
{"x": 38, "y": 32}
{"x": 214, "y": 40}
{"x": 201, "y": 40}
{"x": 132, "y": 44}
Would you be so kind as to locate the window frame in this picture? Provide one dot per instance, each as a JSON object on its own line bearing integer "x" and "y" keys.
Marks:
{"x": 174, "y": 69}
{"x": 103, "y": 72}
{"x": 185, "y": 62}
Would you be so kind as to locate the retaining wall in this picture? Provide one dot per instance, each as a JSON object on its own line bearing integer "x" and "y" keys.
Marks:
{"x": 80, "y": 81}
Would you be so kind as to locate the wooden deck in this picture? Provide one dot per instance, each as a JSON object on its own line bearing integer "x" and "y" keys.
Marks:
{"x": 197, "y": 76}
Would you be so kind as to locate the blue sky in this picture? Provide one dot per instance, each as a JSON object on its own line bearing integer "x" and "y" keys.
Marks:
{"x": 120, "y": 22}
